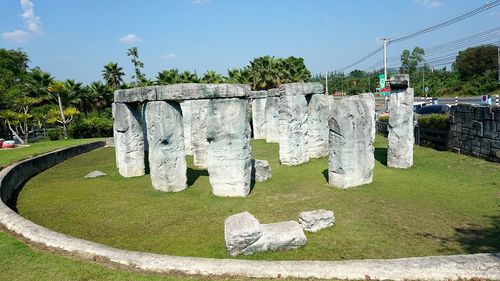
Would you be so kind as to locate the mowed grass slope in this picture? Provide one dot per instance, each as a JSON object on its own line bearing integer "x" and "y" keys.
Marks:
{"x": 445, "y": 204}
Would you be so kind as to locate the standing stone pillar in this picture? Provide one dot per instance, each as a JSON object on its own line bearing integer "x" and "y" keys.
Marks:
{"x": 129, "y": 139}
{"x": 228, "y": 150}
{"x": 401, "y": 138}
{"x": 318, "y": 113}
{"x": 272, "y": 120}
{"x": 293, "y": 128}
{"x": 259, "y": 117}
{"x": 167, "y": 160}
{"x": 199, "y": 132}
{"x": 187, "y": 122}
{"x": 352, "y": 133}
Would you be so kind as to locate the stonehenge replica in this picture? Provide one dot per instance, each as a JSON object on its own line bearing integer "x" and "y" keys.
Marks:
{"x": 155, "y": 128}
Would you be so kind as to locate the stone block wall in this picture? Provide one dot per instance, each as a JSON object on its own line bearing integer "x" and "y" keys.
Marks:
{"x": 475, "y": 130}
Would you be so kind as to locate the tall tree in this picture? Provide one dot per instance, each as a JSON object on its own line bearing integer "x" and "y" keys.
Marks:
{"x": 13, "y": 74}
{"x": 113, "y": 74}
{"x": 138, "y": 65}
{"x": 476, "y": 61}
{"x": 188, "y": 77}
{"x": 264, "y": 73}
{"x": 57, "y": 87}
{"x": 167, "y": 77}
{"x": 410, "y": 61}
{"x": 240, "y": 76}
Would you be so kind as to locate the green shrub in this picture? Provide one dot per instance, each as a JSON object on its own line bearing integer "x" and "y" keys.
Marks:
{"x": 54, "y": 133}
{"x": 434, "y": 121}
{"x": 92, "y": 126}
{"x": 383, "y": 118}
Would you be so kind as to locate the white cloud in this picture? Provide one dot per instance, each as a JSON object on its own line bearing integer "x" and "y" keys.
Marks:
{"x": 130, "y": 38}
{"x": 429, "y": 4}
{"x": 18, "y": 36}
{"x": 169, "y": 56}
{"x": 32, "y": 22}
{"x": 198, "y": 2}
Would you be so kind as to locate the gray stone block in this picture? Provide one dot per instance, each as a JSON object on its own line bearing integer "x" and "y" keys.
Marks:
{"x": 129, "y": 140}
{"x": 401, "y": 139}
{"x": 240, "y": 231}
{"x": 135, "y": 95}
{"x": 167, "y": 160}
{"x": 95, "y": 174}
{"x": 293, "y": 128}
{"x": 187, "y": 120}
{"x": 351, "y": 137}
{"x": 199, "y": 132}
{"x": 279, "y": 236}
{"x": 261, "y": 170}
{"x": 193, "y": 91}
{"x": 272, "y": 120}
{"x": 301, "y": 89}
{"x": 314, "y": 221}
{"x": 318, "y": 115}
{"x": 259, "y": 118}
{"x": 228, "y": 149}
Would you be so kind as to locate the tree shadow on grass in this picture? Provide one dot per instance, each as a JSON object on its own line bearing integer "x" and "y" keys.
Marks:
{"x": 193, "y": 175}
{"x": 472, "y": 238}
{"x": 476, "y": 238}
{"x": 381, "y": 155}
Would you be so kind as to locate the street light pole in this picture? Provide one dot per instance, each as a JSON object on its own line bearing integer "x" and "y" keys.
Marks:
{"x": 386, "y": 41}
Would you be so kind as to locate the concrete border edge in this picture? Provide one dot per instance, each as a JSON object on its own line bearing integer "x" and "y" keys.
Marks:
{"x": 486, "y": 266}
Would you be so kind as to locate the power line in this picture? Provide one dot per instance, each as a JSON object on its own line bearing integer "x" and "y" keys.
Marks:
{"x": 475, "y": 11}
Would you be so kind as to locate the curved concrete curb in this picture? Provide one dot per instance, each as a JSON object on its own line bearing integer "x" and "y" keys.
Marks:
{"x": 12, "y": 178}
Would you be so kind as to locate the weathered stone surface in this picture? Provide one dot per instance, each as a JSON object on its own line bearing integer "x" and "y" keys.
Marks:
{"x": 318, "y": 115}
{"x": 129, "y": 140}
{"x": 141, "y": 94}
{"x": 192, "y": 91}
{"x": 187, "y": 119}
{"x": 278, "y": 236}
{"x": 352, "y": 133}
{"x": 314, "y": 221}
{"x": 401, "y": 138}
{"x": 293, "y": 130}
{"x": 228, "y": 149}
{"x": 259, "y": 118}
{"x": 95, "y": 174}
{"x": 199, "y": 132}
{"x": 240, "y": 231}
{"x": 301, "y": 88}
{"x": 272, "y": 120}
{"x": 261, "y": 171}
{"x": 264, "y": 94}
{"x": 167, "y": 160}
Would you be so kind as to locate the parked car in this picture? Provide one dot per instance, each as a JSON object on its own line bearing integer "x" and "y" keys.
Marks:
{"x": 436, "y": 109}
{"x": 417, "y": 105}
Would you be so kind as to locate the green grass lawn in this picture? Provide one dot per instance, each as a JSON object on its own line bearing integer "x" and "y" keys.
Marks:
{"x": 446, "y": 204}
{"x": 9, "y": 156}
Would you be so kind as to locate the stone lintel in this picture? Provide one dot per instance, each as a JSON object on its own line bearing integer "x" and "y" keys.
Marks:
{"x": 179, "y": 92}
{"x": 301, "y": 89}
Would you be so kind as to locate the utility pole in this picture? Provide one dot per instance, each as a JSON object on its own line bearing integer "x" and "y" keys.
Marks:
{"x": 326, "y": 83}
{"x": 369, "y": 80}
{"x": 498, "y": 58}
{"x": 386, "y": 41}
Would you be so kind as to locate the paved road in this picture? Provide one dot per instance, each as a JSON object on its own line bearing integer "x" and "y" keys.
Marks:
{"x": 450, "y": 101}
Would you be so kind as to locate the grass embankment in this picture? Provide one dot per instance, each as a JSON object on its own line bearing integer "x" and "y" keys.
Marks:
{"x": 445, "y": 204}
{"x": 9, "y": 156}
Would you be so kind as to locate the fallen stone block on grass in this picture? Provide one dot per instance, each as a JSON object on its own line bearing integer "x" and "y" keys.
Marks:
{"x": 245, "y": 235}
{"x": 314, "y": 221}
{"x": 261, "y": 171}
{"x": 240, "y": 231}
{"x": 95, "y": 174}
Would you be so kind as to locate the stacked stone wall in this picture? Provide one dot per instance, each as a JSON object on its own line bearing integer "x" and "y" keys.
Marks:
{"x": 475, "y": 130}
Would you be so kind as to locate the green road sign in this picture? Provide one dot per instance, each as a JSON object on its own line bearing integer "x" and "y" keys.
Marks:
{"x": 382, "y": 81}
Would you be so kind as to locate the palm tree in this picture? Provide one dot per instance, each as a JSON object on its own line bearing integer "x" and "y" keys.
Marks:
{"x": 39, "y": 83}
{"x": 113, "y": 74}
{"x": 240, "y": 76}
{"x": 100, "y": 95}
{"x": 212, "y": 77}
{"x": 188, "y": 77}
{"x": 167, "y": 77}
{"x": 58, "y": 87}
{"x": 265, "y": 73}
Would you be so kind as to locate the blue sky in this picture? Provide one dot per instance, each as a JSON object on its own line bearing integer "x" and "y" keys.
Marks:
{"x": 74, "y": 39}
